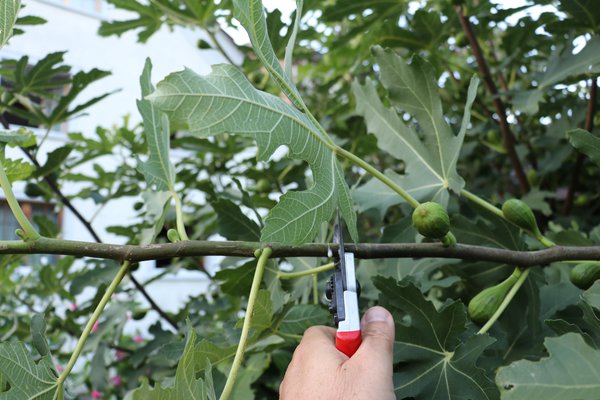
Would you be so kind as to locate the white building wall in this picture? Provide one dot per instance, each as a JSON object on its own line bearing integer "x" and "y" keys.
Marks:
{"x": 70, "y": 29}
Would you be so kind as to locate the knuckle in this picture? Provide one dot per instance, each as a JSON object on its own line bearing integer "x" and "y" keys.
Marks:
{"x": 312, "y": 331}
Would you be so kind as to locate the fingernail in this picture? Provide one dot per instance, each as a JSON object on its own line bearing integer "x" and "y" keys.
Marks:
{"x": 376, "y": 314}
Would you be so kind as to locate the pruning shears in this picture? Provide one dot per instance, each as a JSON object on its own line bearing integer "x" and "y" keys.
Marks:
{"x": 343, "y": 291}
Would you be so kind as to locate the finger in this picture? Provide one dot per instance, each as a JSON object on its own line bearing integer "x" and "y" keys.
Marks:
{"x": 318, "y": 339}
{"x": 377, "y": 328}
{"x": 311, "y": 372}
{"x": 317, "y": 346}
{"x": 320, "y": 334}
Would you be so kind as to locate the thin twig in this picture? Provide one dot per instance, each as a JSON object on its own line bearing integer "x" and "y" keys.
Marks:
{"x": 219, "y": 48}
{"x": 507, "y": 135}
{"x": 63, "y": 199}
{"x": 152, "y": 303}
{"x": 588, "y": 126}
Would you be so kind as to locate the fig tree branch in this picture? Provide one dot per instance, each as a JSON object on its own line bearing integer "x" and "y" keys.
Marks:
{"x": 196, "y": 248}
{"x": 504, "y": 86}
{"x": 588, "y": 126}
{"x": 507, "y": 135}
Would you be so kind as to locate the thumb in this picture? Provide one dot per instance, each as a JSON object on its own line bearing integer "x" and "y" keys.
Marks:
{"x": 377, "y": 328}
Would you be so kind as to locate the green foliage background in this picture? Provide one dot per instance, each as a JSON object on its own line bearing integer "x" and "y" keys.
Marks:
{"x": 389, "y": 85}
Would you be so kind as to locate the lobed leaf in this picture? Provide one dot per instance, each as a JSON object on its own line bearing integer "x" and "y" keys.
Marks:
{"x": 431, "y": 154}
{"x": 150, "y": 20}
{"x": 224, "y": 101}
{"x": 431, "y": 360}
{"x": 38, "y": 334}
{"x": 158, "y": 171}
{"x": 301, "y": 317}
{"x": 233, "y": 224}
{"x": 157, "y": 205}
{"x": 586, "y": 322}
{"x": 343, "y": 9}
{"x": 55, "y": 159}
{"x": 584, "y": 13}
{"x": 78, "y": 84}
{"x": 185, "y": 386}
{"x": 570, "y": 372}
{"x": 289, "y": 49}
{"x": 586, "y": 142}
{"x": 251, "y": 15}
{"x": 236, "y": 281}
{"x": 271, "y": 279}
{"x": 207, "y": 354}
{"x": 262, "y": 313}
{"x": 561, "y": 64}
{"x": 17, "y": 170}
{"x": 492, "y": 231}
{"x": 44, "y": 78}
{"x": 21, "y": 137}
{"x": 27, "y": 379}
{"x": 9, "y": 9}
{"x": 592, "y": 295}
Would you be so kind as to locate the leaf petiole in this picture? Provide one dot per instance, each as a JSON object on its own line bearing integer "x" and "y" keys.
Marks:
{"x": 495, "y": 210}
{"x": 482, "y": 203}
{"x": 29, "y": 229}
{"x": 179, "y": 216}
{"x": 312, "y": 271}
{"x": 263, "y": 257}
{"x": 90, "y": 324}
{"x": 376, "y": 174}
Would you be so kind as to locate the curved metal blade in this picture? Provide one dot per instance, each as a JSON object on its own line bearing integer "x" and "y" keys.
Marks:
{"x": 338, "y": 237}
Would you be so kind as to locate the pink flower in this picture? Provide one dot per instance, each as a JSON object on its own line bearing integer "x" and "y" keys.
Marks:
{"x": 138, "y": 339}
{"x": 95, "y": 327}
{"x": 59, "y": 368}
{"x": 120, "y": 355}
{"x": 72, "y": 306}
{"x": 96, "y": 394}
{"x": 116, "y": 380}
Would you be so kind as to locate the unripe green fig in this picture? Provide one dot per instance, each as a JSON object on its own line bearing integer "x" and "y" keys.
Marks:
{"x": 582, "y": 200}
{"x": 484, "y": 305}
{"x": 431, "y": 220}
{"x": 461, "y": 40}
{"x": 139, "y": 315}
{"x": 493, "y": 136}
{"x": 262, "y": 185}
{"x": 33, "y": 190}
{"x": 173, "y": 235}
{"x": 519, "y": 213}
{"x": 585, "y": 274}
{"x": 533, "y": 177}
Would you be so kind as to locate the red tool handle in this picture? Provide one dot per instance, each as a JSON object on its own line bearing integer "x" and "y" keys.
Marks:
{"x": 348, "y": 342}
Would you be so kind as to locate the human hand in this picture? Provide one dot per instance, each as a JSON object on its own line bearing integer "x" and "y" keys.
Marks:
{"x": 319, "y": 371}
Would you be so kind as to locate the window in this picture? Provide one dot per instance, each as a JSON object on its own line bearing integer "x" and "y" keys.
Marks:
{"x": 34, "y": 211}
